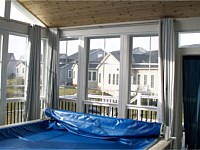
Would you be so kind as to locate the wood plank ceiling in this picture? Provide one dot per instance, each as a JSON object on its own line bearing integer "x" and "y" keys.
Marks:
{"x": 79, "y": 13}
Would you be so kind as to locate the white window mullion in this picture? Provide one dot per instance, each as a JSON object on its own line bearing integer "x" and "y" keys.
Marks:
{"x": 4, "y": 78}
{"x": 82, "y": 72}
{"x": 7, "y": 9}
{"x": 124, "y": 83}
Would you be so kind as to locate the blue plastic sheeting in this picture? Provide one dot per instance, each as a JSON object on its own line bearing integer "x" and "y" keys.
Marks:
{"x": 104, "y": 127}
{"x": 54, "y": 135}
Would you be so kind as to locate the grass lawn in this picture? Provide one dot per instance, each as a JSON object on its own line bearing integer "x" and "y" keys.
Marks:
{"x": 67, "y": 91}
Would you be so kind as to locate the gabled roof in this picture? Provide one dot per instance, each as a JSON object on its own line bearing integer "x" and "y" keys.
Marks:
{"x": 21, "y": 62}
{"x": 116, "y": 54}
{"x": 93, "y": 62}
{"x": 10, "y": 56}
{"x": 145, "y": 57}
{"x": 140, "y": 57}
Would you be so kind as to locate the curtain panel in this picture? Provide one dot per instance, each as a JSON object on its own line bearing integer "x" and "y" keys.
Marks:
{"x": 169, "y": 105}
{"x": 52, "y": 70}
{"x": 32, "y": 108}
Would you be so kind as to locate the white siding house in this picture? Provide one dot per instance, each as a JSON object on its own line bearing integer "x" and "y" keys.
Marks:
{"x": 109, "y": 78}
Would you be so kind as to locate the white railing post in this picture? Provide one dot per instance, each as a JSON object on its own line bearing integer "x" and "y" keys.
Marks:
{"x": 139, "y": 104}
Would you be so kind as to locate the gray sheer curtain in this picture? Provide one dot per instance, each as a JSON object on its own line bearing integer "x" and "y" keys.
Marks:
{"x": 32, "y": 109}
{"x": 52, "y": 86}
{"x": 168, "y": 101}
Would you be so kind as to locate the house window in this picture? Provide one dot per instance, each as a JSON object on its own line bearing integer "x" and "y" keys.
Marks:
{"x": 92, "y": 75}
{"x": 17, "y": 70}
{"x": 109, "y": 78}
{"x": 74, "y": 74}
{"x": 113, "y": 78}
{"x": 69, "y": 73}
{"x": 145, "y": 79}
{"x": 117, "y": 79}
{"x": 152, "y": 81}
{"x": 138, "y": 79}
{"x": 99, "y": 77}
{"x": 22, "y": 70}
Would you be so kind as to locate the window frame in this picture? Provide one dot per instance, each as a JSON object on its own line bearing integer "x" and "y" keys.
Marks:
{"x": 69, "y": 74}
{"x": 91, "y": 75}
{"x": 138, "y": 79}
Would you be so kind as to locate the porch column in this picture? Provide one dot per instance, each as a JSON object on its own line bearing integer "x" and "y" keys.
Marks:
{"x": 124, "y": 85}
{"x": 3, "y": 79}
{"x": 82, "y": 73}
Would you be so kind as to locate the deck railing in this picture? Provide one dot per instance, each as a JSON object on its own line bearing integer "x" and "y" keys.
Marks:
{"x": 15, "y": 110}
{"x": 143, "y": 113}
{"x": 101, "y": 108}
{"x": 108, "y": 106}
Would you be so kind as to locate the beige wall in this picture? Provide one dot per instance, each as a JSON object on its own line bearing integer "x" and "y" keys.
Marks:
{"x": 111, "y": 66}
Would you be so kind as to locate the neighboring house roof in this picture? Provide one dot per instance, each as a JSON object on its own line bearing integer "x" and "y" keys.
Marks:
{"x": 116, "y": 54}
{"x": 139, "y": 56}
{"x": 10, "y": 57}
{"x": 139, "y": 50}
{"x": 93, "y": 61}
{"x": 145, "y": 57}
{"x": 21, "y": 62}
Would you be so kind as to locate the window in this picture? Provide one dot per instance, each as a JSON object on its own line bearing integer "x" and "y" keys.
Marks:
{"x": 43, "y": 67}
{"x": 68, "y": 68}
{"x": 144, "y": 68}
{"x": 190, "y": 39}
{"x": 113, "y": 78}
{"x": 145, "y": 79}
{"x": 69, "y": 73}
{"x": 21, "y": 14}
{"x": 2, "y": 7}
{"x": 92, "y": 76}
{"x": 109, "y": 78}
{"x": 104, "y": 54}
{"x": 17, "y": 55}
{"x": 152, "y": 81}
{"x": 138, "y": 79}
{"x": 99, "y": 77}
{"x": 117, "y": 79}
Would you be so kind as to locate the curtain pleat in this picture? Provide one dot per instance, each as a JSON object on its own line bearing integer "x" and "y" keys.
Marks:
{"x": 32, "y": 108}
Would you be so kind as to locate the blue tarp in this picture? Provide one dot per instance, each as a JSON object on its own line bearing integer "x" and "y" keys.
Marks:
{"x": 70, "y": 130}
{"x": 102, "y": 127}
